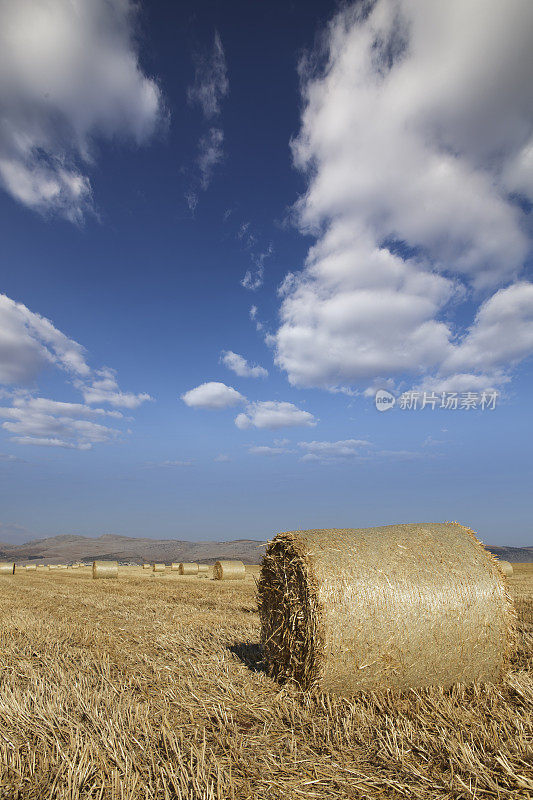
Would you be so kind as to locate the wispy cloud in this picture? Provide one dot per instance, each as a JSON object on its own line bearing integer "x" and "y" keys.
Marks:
{"x": 333, "y": 451}
{"x": 210, "y": 87}
{"x": 273, "y": 414}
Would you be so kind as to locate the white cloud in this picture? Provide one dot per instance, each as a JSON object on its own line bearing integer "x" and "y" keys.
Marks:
{"x": 47, "y": 423}
{"x": 29, "y": 343}
{"x": 332, "y": 451}
{"x": 104, "y": 388}
{"x": 273, "y": 414}
{"x": 266, "y": 450}
{"x": 211, "y": 83}
{"x": 175, "y": 463}
{"x": 415, "y": 145}
{"x": 254, "y": 278}
{"x": 211, "y": 153}
{"x": 222, "y": 458}
{"x": 212, "y": 395}
{"x": 240, "y": 365}
{"x": 69, "y": 74}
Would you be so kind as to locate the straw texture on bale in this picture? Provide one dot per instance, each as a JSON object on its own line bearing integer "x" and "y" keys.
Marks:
{"x": 506, "y": 567}
{"x": 188, "y": 568}
{"x": 158, "y": 567}
{"x": 203, "y": 569}
{"x": 31, "y": 567}
{"x": 105, "y": 569}
{"x": 229, "y": 571}
{"x": 402, "y": 606}
{"x": 7, "y": 568}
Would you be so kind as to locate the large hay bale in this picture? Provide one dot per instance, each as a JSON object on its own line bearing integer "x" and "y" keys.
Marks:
{"x": 31, "y": 567}
{"x": 203, "y": 569}
{"x": 188, "y": 568}
{"x": 105, "y": 569}
{"x": 174, "y": 567}
{"x": 506, "y": 567}
{"x": 402, "y": 606}
{"x": 158, "y": 567}
{"x": 229, "y": 571}
{"x": 7, "y": 568}
{"x": 147, "y": 566}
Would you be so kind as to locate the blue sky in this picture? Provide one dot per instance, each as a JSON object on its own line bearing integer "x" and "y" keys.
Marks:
{"x": 224, "y": 227}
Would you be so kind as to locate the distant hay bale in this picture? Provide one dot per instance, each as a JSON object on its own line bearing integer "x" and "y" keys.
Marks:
{"x": 158, "y": 567}
{"x": 229, "y": 571}
{"x": 506, "y": 567}
{"x": 203, "y": 569}
{"x": 174, "y": 566}
{"x": 188, "y": 568}
{"x": 147, "y": 566}
{"x": 30, "y": 567}
{"x": 7, "y": 568}
{"x": 52, "y": 566}
{"x": 402, "y": 606}
{"x": 105, "y": 569}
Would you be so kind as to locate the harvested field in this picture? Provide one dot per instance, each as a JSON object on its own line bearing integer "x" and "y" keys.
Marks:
{"x": 140, "y": 688}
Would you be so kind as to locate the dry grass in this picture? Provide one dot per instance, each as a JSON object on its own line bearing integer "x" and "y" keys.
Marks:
{"x": 153, "y": 688}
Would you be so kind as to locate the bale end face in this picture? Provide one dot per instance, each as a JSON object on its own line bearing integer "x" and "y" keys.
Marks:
{"x": 506, "y": 567}
{"x": 229, "y": 571}
{"x": 105, "y": 569}
{"x": 403, "y": 606}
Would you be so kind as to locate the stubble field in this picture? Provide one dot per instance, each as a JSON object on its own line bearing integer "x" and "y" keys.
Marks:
{"x": 152, "y": 687}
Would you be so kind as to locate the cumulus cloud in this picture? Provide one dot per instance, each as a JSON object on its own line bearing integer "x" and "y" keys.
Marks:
{"x": 103, "y": 388}
{"x": 212, "y": 395}
{"x": 417, "y": 149}
{"x": 47, "y": 423}
{"x": 69, "y": 75}
{"x": 240, "y": 365}
{"x": 273, "y": 414}
{"x": 30, "y": 343}
{"x": 211, "y": 83}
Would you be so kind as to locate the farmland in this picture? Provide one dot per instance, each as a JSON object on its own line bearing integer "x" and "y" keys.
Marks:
{"x": 151, "y": 686}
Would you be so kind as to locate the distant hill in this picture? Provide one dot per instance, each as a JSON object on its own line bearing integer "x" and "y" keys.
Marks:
{"x": 70, "y": 548}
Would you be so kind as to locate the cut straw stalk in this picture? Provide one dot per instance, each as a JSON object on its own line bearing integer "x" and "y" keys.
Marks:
{"x": 7, "y": 568}
{"x": 188, "y": 568}
{"x": 403, "y": 606}
{"x": 105, "y": 569}
{"x": 229, "y": 571}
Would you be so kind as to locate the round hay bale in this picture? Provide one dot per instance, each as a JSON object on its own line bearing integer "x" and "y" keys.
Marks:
{"x": 105, "y": 569}
{"x": 203, "y": 569}
{"x": 158, "y": 567}
{"x": 174, "y": 567}
{"x": 147, "y": 566}
{"x": 506, "y": 567}
{"x": 188, "y": 568}
{"x": 229, "y": 571}
{"x": 402, "y": 606}
{"x": 7, "y": 568}
{"x": 31, "y": 567}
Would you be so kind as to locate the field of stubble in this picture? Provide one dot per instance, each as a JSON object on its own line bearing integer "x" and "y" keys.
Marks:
{"x": 152, "y": 687}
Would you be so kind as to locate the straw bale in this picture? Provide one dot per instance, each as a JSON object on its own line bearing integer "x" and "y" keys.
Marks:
{"x": 402, "y": 606}
{"x": 147, "y": 566}
{"x": 506, "y": 567}
{"x": 7, "y": 568}
{"x": 188, "y": 568}
{"x": 174, "y": 566}
{"x": 229, "y": 571}
{"x": 31, "y": 567}
{"x": 158, "y": 567}
{"x": 203, "y": 569}
{"x": 105, "y": 569}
